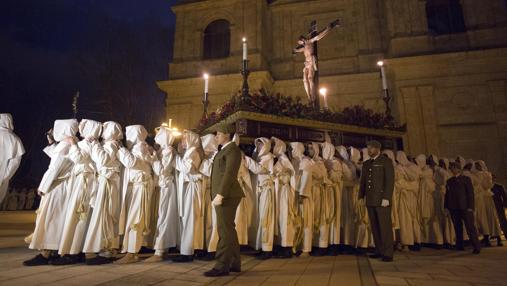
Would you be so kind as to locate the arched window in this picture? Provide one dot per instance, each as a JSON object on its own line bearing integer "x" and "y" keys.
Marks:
{"x": 445, "y": 17}
{"x": 217, "y": 40}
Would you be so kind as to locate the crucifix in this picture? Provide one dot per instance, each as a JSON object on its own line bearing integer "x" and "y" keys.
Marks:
{"x": 308, "y": 46}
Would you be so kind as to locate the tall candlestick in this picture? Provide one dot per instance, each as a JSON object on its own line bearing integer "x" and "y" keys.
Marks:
{"x": 383, "y": 74}
{"x": 245, "y": 49}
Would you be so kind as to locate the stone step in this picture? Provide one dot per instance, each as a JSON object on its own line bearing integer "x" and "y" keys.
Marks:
{"x": 17, "y": 217}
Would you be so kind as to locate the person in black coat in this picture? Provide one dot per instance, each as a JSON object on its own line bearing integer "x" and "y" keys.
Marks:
{"x": 459, "y": 201}
{"x": 500, "y": 200}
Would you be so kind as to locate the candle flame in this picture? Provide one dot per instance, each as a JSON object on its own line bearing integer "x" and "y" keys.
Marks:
{"x": 323, "y": 91}
{"x": 380, "y": 63}
{"x": 244, "y": 39}
{"x": 205, "y": 75}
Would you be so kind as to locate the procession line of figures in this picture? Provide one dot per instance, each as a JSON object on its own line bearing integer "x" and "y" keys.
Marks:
{"x": 99, "y": 197}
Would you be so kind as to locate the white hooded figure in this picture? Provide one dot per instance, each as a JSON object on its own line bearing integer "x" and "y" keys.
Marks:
{"x": 285, "y": 198}
{"x": 55, "y": 188}
{"x": 428, "y": 208}
{"x": 364, "y": 236}
{"x": 245, "y": 213}
{"x": 12, "y": 150}
{"x": 410, "y": 227}
{"x": 398, "y": 171}
{"x": 480, "y": 209}
{"x": 166, "y": 234}
{"x": 262, "y": 167}
{"x": 83, "y": 189}
{"x": 190, "y": 204}
{"x": 485, "y": 184}
{"x": 348, "y": 211}
{"x": 303, "y": 167}
{"x": 210, "y": 147}
{"x": 137, "y": 191}
{"x": 335, "y": 175}
{"x": 323, "y": 202}
{"x": 441, "y": 175}
{"x": 103, "y": 233}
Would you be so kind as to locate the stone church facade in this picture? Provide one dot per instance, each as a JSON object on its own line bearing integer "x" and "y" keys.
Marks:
{"x": 446, "y": 64}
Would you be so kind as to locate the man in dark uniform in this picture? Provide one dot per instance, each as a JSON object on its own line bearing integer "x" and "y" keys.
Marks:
{"x": 226, "y": 194}
{"x": 376, "y": 187}
{"x": 459, "y": 201}
{"x": 500, "y": 199}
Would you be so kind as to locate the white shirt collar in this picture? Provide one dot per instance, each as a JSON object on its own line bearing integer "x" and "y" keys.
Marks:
{"x": 375, "y": 158}
{"x": 223, "y": 146}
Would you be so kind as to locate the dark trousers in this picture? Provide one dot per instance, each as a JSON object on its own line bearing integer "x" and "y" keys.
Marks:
{"x": 502, "y": 220}
{"x": 227, "y": 254}
{"x": 382, "y": 230}
{"x": 467, "y": 217}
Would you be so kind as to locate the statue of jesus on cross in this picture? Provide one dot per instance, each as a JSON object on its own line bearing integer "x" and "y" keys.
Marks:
{"x": 308, "y": 46}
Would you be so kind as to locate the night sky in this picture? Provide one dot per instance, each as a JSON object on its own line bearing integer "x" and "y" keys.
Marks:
{"x": 111, "y": 51}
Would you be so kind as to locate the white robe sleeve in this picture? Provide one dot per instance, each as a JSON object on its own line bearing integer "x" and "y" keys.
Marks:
{"x": 12, "y": 166}
{"x": 126, "y": 158}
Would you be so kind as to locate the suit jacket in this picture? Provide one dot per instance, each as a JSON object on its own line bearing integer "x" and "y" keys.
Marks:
{"x": 224, "y": 173}
{"x": 377, "y": 181}
{"x": 459, "y": 194}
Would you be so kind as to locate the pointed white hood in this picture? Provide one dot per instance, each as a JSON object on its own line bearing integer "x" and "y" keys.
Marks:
{"x": 90, "y": 128}
{"x": 342, "y": 150}
{"x": 135, "y": 134}
{"x": 111, "y": 131}
{"x": 64, "y": 128}
{"x": 164, "y": 137}
{"x": 262, "y": 146}
{"x": 390, "y": 155}
{"x": 402, "y": 159}
{"x": 316, "y": 150}
{"x": 6, "y": 121}
{"x": 297, "y": 149}
{"x": 420, "y": 160}
{"x": 328, "y": 151}
{"x": 209, "y": 144}
{"x": 279, "y": 148}
{"x": 482, "y": 164}
{"x": 355, "y": 155}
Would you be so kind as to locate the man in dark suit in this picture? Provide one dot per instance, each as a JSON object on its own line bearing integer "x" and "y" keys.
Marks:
{"x": 226, "y": 194}
{"x": 459, "y": 201}
{"x": 500, "y": 199}
{"x": 376, "y": 187}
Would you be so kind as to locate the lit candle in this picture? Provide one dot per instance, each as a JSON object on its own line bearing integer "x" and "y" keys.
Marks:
{"x": 244, "y": 49}
{"x": 206, "y": 82}
{"x": 383, "y": 74}
{"x": 323, "y": 92}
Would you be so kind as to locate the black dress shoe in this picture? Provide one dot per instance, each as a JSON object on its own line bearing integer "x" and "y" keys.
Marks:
{"x": 235, "y": 269}
{"x": 375, "y": 256}
{"x": 387, "y": 259}
{"x": 199, "y": 253}
{"x": 460, "y": 248}
{"x": 318, "y": 252}
{"x": 99, "y": 260}
{"x": 283, "y": 253}
{"x": 183, "y": 258}
{"x": 39, "y": 259}
{"x": 208, "y": 257}
{"x": 215, "y": 273}
{"x": 476, "y": 251}
{"x": 67, "y": 259}
{"x": 265, "y": 255}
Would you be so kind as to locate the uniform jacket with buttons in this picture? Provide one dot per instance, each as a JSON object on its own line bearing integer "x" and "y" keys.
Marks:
{"x": 377, "y": 181}
{"x": 224, "y": 173}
